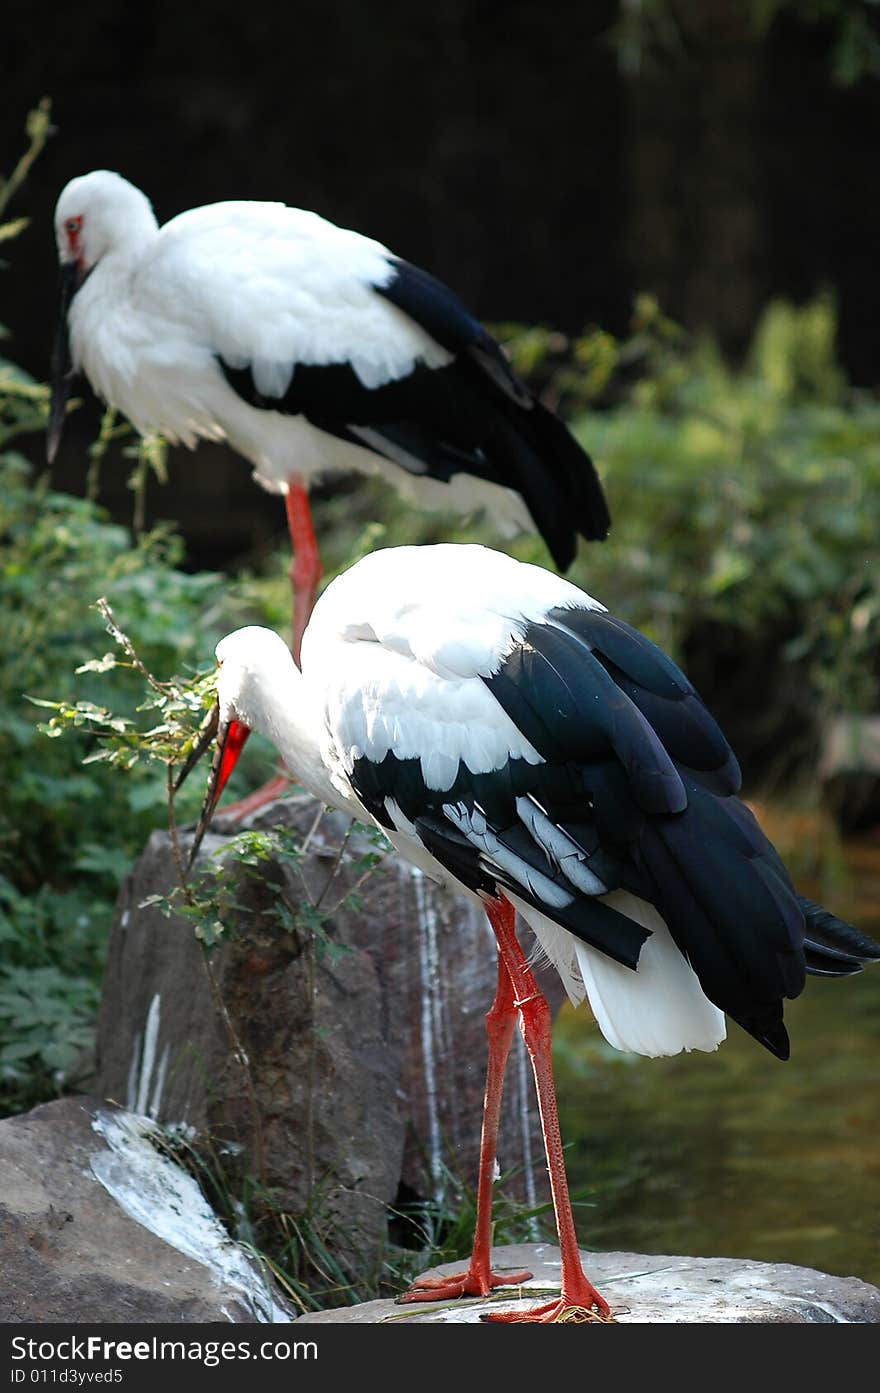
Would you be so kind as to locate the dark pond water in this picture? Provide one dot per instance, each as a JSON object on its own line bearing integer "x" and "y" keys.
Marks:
{"x": 736, "y": 1154}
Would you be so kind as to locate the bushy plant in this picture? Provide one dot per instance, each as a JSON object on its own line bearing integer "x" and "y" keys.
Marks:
{"x": 69, "y": 830}
{"x": 747, "y": 517}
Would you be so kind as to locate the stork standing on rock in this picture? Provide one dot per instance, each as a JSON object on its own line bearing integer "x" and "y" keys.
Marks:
{"x": 312, "y": 351}
{"x": 514, "y": 739}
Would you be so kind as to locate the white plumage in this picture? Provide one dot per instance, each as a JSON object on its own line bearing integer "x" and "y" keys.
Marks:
{"x": 312, "y": 350}
{"x": 392, "y": 662}
{"x": 254, "y": 284}
{"x": 514, "y": 739}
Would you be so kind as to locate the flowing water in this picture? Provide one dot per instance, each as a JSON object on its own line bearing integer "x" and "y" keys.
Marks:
{"x": 736, "y": 1154}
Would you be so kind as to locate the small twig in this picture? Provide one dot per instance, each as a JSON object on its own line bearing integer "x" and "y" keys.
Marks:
{"x": 182, "y": 874}
{"x": 238, "y": 1050}
{"x": 352, "y": 890}
{"x": 240, "y": 1054}
{"x": 280, "y": 1278}
{"x": 313, "y": 1066}
{"x": 98, "y": 450}
{"x": 316, "y": 823}
{"x": 138, "y": 484}
{"x": 334, "y": 869}
{"x": 126, "y": 644}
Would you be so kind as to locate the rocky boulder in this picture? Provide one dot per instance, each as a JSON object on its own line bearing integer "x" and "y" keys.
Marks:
{"x": 650, "y": 1289}
{"x": 358, "y": 1004}
{"x": 97, "y": 1224}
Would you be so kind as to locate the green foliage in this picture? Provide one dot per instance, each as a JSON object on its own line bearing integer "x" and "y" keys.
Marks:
{"x": 179, "y": 706}
{"x": 50, "y": 957}
{"x": 749, "y": 501}
{"x": 661, "y": 33}
{"x": 38, "y": 129}
{"x": 440, "y": 1228}
{"x": 211, "y": 897}
{"x": 69, "y": 827}
{"x": 853, "y": 47}
{"x": 54, "y": 554}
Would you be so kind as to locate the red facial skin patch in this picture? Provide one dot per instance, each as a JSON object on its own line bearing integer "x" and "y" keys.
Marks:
{"x": 72, "y": 229}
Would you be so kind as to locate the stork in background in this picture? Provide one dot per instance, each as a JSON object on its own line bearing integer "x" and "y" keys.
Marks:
{"x": 313, "y": 351}
{"x": 515, "y": 740}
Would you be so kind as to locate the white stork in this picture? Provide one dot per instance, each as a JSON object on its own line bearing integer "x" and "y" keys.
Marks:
{"x": 312, "y": 350}
{"x": 514, "y": 739}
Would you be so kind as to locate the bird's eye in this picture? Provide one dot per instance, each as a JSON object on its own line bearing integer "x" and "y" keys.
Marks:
{"x": 73, "y": 225}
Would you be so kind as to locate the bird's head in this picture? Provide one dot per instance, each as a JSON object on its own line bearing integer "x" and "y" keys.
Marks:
{"x": 95, "y": 214}
{"x": 247, "y": 660}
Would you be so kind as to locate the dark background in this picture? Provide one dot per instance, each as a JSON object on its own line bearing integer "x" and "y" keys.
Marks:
{"x": 521, "y": 152}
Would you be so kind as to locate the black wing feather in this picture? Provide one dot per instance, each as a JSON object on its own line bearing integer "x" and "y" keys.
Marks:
{"x": 703, "y": 861}
{"x": 834, "y": 948}
{"x": 586, "y": 712}
{"x": 401, "y": 780}
{"x": 639, "y": 779}
{"x": 471, "y": 416}
{"x": 630, "y": 651}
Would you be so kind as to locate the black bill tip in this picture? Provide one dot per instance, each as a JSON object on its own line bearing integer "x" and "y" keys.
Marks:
{"x": 207, "y": 731}
{"x": 63, "y": 371}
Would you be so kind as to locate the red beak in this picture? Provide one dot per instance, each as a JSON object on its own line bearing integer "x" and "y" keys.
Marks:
{"x": 230, "y": 743}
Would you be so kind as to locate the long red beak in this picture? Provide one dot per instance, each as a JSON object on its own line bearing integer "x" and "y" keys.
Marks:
{"x": 230, "y": 743}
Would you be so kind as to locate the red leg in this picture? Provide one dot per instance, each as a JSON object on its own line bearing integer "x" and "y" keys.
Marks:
{"x": 305, "y": 568}
{"x": 305, "y": 573}
{"x": 479, "y": 1279}
{"x": 579, "y": 1299}
{"x": 276, "y": 787}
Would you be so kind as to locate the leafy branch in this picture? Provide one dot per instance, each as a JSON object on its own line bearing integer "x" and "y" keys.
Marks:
{"x": 181, "y": 704}
{"x": 38, "y": 129}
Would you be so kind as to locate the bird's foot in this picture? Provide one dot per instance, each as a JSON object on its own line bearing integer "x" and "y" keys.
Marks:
{"x": 596, "y": 1311}
{"x": 469, "y": 1283}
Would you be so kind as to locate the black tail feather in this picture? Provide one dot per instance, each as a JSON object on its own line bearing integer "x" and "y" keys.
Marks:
{"x": 768, "y": 1029}
{"x": 535, "y": 454}
{"x": 832, "y": 947}
{"x": 528, "y": 447}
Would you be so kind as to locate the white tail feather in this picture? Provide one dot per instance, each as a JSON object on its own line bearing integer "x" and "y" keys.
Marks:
{"x": 659, "y": 1009}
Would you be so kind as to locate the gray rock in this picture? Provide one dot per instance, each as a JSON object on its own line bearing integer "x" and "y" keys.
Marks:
{"x": 651, "y": 1289}
{"x": 366, "y": 1049}
{"x": 95, "y": 1225}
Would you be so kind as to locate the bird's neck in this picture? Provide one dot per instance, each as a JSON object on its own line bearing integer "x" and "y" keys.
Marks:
{"x": 113, "y": 272}
{"x": 292, "y": 717}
